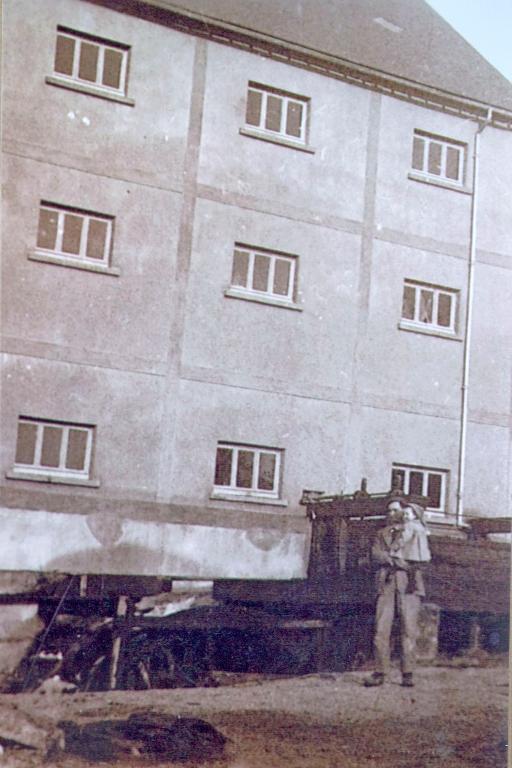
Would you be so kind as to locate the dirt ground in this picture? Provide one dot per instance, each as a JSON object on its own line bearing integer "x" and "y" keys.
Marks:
{"x": 455, "y": 717}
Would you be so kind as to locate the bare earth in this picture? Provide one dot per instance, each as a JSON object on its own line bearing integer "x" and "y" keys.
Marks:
{"x": 453, "y": 718}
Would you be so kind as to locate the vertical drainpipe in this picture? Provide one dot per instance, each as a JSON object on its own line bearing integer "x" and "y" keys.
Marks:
{"x": 468, "y": 325}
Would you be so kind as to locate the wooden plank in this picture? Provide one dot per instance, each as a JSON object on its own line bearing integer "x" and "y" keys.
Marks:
{"x": 482, "y": 526}
{"x": 122, "y": 609}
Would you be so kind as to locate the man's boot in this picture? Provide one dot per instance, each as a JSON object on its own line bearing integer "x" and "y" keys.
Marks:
{"x": 377, "y": 678}
{"x": 407, "y": 680}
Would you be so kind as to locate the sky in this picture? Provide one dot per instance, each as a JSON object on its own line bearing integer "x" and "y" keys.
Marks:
{"x": 485, "y": 24}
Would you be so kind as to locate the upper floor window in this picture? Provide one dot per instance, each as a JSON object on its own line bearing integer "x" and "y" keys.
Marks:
{"x": 246, "y": 470}
{"x": 54, "y": 449}
{"x": 74, "y": 234}
{"x": 429, "y": 307}
{"x": 92, "y": 62}
{"x": 423, "y": 481}
{"x": 277, "y": 113}
{"x": 257, "y": 271}
{"x": 438, "y": 158}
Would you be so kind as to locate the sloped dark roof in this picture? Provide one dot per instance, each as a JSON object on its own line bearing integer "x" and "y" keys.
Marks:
{"x": 404, "y": 38}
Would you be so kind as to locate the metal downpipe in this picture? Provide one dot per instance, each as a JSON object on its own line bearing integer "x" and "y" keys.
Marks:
{"x": 461, "y": 474}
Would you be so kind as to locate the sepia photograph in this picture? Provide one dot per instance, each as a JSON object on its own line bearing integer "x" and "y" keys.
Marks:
{"x": 256, "y": 385}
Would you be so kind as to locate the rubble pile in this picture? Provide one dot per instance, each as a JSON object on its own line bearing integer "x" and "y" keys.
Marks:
{"x": 78, "y": 650}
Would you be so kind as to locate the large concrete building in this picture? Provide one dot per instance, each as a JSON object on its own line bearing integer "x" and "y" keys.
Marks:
{"x": 241, "y": 241}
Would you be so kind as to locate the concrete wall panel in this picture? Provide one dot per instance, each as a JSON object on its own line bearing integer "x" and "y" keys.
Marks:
{"x": 403, "y": 366}
{"x": 76, "y": 129}
{"x": 411, "y": 439}
{"x": 494, "y": 196}
{"x": 125, "y": 409}
{"x": 308, "y": 351}
{"x": 310, "y": 432}
{"x": 330, "y": 180}
{"x": 487, "y": 487}
{"x": 491, "y": 344}
{"x": 80, "y": 309}
{"x": 42, "y": 541}
{"x": 409, "y": 206}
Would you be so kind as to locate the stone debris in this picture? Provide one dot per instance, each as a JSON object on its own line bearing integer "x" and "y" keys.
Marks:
{"x": 54, "y": 685}
{"x": 168, "y": 609}
{"x": 168, "y": 603}
{"x": 21, "y": 731}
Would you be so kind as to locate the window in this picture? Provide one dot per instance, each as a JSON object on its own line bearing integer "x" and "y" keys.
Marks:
{"x": 276, "y": 112}
{"x": 424, "y": 482}
{"x": 74, "y": 234}
{"x": 431, "y": 307}
{"x": 54, "y": 449}
{"x": 261, "y": 272}
{"x": 245, "y": 470}
{"x": 96, "y": 64}
{"x": 438, "y": 158}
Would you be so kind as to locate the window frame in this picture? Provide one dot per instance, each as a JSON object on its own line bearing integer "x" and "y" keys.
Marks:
{"x": 432, "y": 327}
{"x": 39, "y": 471}
{"x": 96, "y": 87}
{"x": 445, "y": 143}
{"x": 252, "y": 493}
{"x": 248, "y": 290}
{"x": 440, "y": 511}
{"x": 278, "y": 136}
{"x": 57, "y": 255}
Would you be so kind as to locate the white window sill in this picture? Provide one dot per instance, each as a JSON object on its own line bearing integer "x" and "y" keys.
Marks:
{"x": 234, "y": 293}
{"x": 91, "y": 90}
{"x": 36, "y": 477}
{"x": 403, "y": 325}
{"x": 439, "y": 521}
{"x": 275, "y": 138}
{"x": 227, "y": 495}
{"x": 64, "y": 261}
{"x": 439, "y": 182}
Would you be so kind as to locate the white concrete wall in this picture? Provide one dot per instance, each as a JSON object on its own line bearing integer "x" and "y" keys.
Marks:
{"x": 309, "y": 431}
{"x": 308, "y": 351}
{"x": 124, "y": 407}
{"x": 70, "y": 543}
{"x": 415, "y": 369}
{"x": 161, "y": 361}
{"x": 331, "y": 180}
{"x": 143, "y": 143}
{"x": 408, "y": 206}
{"x": 88, "y": 315}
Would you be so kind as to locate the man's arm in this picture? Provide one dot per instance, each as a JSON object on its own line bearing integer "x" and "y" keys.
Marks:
{"x": 380, "y": 551}
{"x": 383, "y": 555}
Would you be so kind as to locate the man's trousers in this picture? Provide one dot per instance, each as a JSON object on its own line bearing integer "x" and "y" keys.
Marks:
{"x": 393, "y": 596}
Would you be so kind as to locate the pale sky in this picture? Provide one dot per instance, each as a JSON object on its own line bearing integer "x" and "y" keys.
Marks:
{"x": 485, "y": 24}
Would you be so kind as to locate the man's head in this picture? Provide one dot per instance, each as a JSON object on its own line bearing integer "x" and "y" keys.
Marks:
{"x": 395, "y": 512}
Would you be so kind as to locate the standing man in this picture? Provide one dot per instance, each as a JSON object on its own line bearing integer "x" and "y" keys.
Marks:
{"x": 400, "y": 588}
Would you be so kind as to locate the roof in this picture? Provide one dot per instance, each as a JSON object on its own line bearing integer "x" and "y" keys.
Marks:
{"x": 403, "y": 38}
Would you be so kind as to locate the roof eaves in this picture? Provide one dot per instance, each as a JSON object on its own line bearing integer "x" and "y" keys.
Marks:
{"x": 245, "y": 38}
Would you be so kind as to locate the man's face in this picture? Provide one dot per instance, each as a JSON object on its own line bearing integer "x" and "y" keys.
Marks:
{"x": 395, "y": 513}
